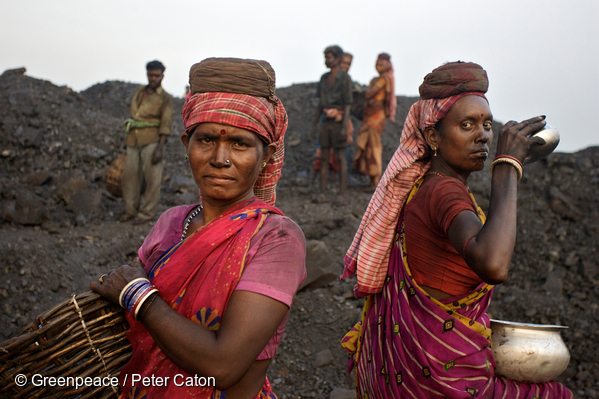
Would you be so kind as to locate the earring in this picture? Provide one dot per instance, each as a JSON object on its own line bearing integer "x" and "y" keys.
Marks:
{"x": 187, "y": 156}
{"x": 264, "y": 164}
{"x": 435, "y": 151}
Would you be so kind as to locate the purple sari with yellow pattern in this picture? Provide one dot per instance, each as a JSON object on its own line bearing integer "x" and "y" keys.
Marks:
{"x": 410, "y": 345}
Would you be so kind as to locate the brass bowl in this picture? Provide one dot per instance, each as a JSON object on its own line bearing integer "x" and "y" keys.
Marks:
{"x": 526, "y": 352}
{"x": 538, "y": 151}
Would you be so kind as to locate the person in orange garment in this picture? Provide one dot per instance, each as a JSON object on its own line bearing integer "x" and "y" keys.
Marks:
{"x": 381, "y": 104}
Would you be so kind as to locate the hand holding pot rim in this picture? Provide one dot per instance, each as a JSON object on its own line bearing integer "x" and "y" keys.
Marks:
{"x": 550, "y": 136}
{"x": 516, "y": 139}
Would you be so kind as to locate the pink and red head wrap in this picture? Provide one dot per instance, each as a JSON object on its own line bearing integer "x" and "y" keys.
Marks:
{"x": 219, "y": 94}
{"x": 368, "y": 255}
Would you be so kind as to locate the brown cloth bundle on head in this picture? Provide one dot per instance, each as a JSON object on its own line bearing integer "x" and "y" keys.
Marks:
{"x": 452, "y": 79}
{"x": 233, "y": 75}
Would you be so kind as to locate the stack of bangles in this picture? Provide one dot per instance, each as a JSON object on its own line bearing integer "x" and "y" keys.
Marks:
{"x": 508, "y": 159}
{"x": 135, "y": 294}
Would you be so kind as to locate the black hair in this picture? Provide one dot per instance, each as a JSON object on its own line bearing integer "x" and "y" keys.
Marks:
{"x": 264, "y": 144}
{"x": 152, "y": 65}
{"x": 438, "y": 124}
{"x": 335, "y": 50}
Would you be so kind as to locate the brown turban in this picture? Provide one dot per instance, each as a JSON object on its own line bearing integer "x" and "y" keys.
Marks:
{"x": 233, "y": 75}
{"x": 452, "y": 79}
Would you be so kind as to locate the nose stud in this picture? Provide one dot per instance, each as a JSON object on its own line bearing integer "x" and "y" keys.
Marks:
{"x": 227, "y": 160}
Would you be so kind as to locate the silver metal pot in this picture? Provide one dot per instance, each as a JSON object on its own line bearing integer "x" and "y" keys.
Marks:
{"x": 528, "y": 352}
{"x": 538, "y": 152}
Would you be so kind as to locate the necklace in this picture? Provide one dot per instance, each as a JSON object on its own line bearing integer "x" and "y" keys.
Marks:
{"x": 436, "y": 174}
{"x": 188, "y": 221}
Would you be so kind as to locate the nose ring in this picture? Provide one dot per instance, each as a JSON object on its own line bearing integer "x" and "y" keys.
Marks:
{"x": 227, "y": 160}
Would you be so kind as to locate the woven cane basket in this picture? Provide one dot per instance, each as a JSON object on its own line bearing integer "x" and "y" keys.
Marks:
{"x": 84, "y": 336}
{"x": 114, "y": 176}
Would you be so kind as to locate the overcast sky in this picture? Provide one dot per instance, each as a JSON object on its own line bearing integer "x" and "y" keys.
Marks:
{"x": 542, "y": 57}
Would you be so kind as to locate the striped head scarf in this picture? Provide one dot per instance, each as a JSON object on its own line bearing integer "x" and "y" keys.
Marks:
{"x": 368, "y": 255}
{"x": 228, "y": 103}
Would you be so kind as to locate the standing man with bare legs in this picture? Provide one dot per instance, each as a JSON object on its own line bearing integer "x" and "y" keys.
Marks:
{"x": 335, "y": 98}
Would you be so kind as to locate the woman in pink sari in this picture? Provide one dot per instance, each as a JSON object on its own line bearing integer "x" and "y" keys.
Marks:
{"x": 426, "y": 256}
{"x": 208, "y": 299}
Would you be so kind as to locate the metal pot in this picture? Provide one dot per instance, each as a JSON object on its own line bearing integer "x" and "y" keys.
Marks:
{"x": 525, "y": 352}
{"x": 538, "y": 152}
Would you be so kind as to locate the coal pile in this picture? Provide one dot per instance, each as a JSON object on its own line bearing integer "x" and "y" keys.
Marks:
{"x": 61, "y": 228}
{"x": 45, "y": 127}
{"x": 112, "y": 98}
{"x": 55, "y": 145}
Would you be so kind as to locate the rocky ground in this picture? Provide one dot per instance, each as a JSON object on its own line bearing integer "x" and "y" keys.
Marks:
{"x": 60, "y": 227}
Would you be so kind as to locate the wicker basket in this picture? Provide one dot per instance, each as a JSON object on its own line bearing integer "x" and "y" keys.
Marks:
{"x": 115, "y": 175}
{"x": 84, "y": 336}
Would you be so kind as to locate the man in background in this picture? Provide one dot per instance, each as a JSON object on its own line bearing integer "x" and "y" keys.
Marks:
{"x": 334, "y": 92}
{"x": 345, "y": 66}
{"x": 147, "y": 131}
{"x": 346, "y": 62}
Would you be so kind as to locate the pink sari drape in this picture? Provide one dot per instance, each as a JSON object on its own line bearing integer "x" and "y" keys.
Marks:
{"x": 409, "y": 345}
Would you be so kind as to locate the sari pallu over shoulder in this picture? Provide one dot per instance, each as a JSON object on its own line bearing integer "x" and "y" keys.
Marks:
{"x": 409, "y": 345}
{"x": 196, "y": 277}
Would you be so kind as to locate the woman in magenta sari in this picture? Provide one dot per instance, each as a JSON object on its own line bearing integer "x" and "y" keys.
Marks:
{"x": 427, "y": 259}
{"x": 211, "y": 290}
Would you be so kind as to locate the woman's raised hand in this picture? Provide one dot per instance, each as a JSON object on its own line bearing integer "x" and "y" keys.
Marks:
{"x": 515, "y": 139}
{"x": 112, "y": 284}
